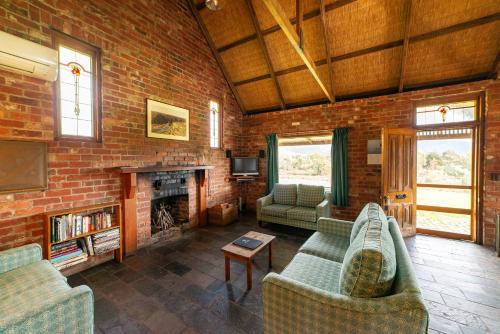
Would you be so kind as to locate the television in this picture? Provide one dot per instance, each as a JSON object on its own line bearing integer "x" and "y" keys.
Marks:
{"x": 245, "y": 166}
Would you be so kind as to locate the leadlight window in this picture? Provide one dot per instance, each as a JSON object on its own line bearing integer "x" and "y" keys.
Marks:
{"x": 215, "y": 125}
{"x": 78, "y": 89}
{"x": 456, "y": 112}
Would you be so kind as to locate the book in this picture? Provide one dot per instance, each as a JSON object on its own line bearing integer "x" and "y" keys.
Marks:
{"x": 69, "y": 226}
{"x": 246, "y": 242}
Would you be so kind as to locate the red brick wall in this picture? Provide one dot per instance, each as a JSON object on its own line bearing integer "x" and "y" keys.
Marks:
{"x": 151, "y": 49}
{"x": 366, "y": 117}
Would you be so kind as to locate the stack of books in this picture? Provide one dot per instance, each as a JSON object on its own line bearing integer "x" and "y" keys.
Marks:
{"x": 70, "y": 226}
{"x": 67, "y": 254}
{"x": 106, "y": 241}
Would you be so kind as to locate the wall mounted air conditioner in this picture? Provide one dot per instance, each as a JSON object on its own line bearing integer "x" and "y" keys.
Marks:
{"x": 22, "y": 56}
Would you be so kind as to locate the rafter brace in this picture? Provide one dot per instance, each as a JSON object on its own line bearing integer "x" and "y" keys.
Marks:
{"x": 327, "y": 48}
{"x": 217, "y": 57}
{"x": 279, "y": 15}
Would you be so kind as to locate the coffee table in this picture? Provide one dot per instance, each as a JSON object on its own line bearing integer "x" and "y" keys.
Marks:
{"x": 246, "y": 255}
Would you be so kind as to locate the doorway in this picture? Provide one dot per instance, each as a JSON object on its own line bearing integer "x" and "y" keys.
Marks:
{"x": 448, "y": 161}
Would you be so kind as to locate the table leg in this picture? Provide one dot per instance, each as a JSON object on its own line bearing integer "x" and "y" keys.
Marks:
{"x": 227, "y": 267}
{"x": 270, "y": 255}
{"x": 249, "y": 274}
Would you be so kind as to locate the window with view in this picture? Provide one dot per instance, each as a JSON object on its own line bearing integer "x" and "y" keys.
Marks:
{"x": 78, "y": 105}
{"x": 215, "y": 125}
{"x": 305, "y": 160}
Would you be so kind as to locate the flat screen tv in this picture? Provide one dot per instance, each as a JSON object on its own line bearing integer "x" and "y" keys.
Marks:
{"x": 245, "y": 166}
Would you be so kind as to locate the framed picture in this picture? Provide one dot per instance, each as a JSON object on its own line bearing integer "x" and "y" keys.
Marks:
{"x": 166, "y": 121}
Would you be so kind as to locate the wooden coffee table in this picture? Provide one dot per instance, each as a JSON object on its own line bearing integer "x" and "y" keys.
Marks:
{"x": 246, "y": 255}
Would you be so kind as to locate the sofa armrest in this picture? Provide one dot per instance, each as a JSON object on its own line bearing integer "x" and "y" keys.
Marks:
{"x": 323, "y": 311}
{"x": 341, "y": 228}
{"x": 17, "y": 257}
{"x": 262, "y": 202}
{"x": 323, "y": 209}
{"x": 76, "y": 305}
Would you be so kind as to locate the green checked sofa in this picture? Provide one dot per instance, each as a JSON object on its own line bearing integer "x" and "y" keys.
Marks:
{"x": 348, "y": 277}
{"x": 35, "y": 297}
{"x": 299, "y": 206}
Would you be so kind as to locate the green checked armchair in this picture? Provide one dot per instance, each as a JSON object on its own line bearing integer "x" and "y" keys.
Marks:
{"x": 348, "y": 277}
{"x": 35, "y": 297}
{"x": 299, "y": 206}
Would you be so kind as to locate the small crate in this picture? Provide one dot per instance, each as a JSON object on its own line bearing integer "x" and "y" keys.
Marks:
{"x": 222, "y": 214}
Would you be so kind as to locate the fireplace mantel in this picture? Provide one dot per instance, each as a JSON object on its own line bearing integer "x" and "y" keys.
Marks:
{"x": 130, "y": 202}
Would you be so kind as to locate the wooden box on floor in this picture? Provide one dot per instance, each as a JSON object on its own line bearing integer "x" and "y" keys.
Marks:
{"x": 92, "y": 260}
{"x": 222, "y": 214}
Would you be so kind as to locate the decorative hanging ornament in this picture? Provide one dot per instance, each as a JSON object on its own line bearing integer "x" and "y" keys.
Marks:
{"x": 214, "y": 4}
{"x": 443, "y": 110}
{"x": 75, "y": 70}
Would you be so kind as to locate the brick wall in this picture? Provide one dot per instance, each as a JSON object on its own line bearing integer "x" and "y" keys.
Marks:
{"x": 151, "y": 49}
{"x": 366, "y": 117}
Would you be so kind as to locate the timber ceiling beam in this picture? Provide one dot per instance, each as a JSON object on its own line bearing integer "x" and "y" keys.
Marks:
{"x": 279, "y": 15}
{"x": 218, "y": 58}
{"x": 324, "y": 29}
{"x": 406, "y": 42}
{"x": 265, "y": 52}
{"x": 390, "y": 45}
{"x": 307, "y": 16}
{"x": 496, "y": 67}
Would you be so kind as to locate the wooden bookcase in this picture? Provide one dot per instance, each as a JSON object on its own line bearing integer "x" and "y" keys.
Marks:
{"x": 93, "y": 260}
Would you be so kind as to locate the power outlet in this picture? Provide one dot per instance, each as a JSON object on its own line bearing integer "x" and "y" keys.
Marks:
{"x": 295, "y": 123}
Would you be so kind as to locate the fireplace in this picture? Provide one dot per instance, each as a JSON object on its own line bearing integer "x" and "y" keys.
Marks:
{"x": 168, "y": 215}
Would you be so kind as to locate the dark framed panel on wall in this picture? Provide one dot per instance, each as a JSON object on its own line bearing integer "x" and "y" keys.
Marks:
{"x": 78, "y": 97}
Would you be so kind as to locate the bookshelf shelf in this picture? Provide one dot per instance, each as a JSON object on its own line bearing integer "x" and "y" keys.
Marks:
{"x": 92, "y": 260}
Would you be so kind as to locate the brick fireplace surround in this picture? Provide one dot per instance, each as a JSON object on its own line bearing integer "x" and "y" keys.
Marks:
{"x": 171, "y": 62}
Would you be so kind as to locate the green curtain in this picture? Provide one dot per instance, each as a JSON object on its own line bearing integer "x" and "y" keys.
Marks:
{"x": 272, "y": 162}
{"x": 340, "y": 187}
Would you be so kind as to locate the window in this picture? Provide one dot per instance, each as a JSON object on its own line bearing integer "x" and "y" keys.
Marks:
{"x": 78, "y": 89}
{"x": 215, "y": 125}
{"x": 305, "y": 160}
{"x": 446, "y": 113}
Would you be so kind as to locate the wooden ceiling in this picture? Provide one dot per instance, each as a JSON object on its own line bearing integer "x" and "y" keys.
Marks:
{"x": 349, "y": 48}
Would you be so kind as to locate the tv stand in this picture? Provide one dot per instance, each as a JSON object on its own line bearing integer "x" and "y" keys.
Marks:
{"x": 239, "y": 179}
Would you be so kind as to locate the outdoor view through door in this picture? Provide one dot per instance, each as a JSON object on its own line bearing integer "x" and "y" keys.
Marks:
{"x": 305, "y": 160}
{"x": 445, "y": 169}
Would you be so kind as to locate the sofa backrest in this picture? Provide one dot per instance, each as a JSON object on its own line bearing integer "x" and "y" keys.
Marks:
{"x": 370, "y": 208}
{"x": 369, "y": 265}
{"x": 285, "y": 194}
{"x": 310, "y": 196}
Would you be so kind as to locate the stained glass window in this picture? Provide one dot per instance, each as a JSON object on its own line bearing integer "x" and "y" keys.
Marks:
{"x": 455, "y": 112}
{"x": 215, "y": 140}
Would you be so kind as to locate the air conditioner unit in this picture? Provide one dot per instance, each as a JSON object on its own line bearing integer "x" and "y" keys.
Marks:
{"x": 22, "y": 56}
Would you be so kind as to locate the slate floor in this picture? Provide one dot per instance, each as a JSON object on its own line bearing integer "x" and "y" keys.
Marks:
{"x": 178, "y": 287}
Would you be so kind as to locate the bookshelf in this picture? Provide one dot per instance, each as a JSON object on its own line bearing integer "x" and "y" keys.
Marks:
{"x": 113, "y": 209}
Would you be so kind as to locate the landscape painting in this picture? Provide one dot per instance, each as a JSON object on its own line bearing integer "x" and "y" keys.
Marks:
{"x": 167, "y": 121}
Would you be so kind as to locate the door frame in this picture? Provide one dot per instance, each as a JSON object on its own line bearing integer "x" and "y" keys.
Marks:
{"x": 478, "y": 137}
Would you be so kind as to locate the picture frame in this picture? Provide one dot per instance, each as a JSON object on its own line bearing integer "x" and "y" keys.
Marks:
{"x": 167, "y": 121}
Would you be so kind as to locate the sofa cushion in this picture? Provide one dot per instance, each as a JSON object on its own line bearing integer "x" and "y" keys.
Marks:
{"x": 285, "y": 194}
{"x": 369, "y": 264}
{"x": 276, "y": 210}
{"x": 302, "y": 213}
{"x": 310, "y": 196}
{"x": 315, "y": 271}
{"x": 27, "y": 277}
{"x": 326, "y": 245}
{"x": 370, "y": 209}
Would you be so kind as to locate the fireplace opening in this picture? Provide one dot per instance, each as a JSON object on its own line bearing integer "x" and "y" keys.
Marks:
{"x": 168, "y": 214}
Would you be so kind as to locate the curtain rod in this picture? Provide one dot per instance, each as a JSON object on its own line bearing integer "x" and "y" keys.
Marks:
{"x": 310, "y": 133}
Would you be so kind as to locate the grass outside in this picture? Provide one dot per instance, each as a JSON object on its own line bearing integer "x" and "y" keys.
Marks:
{"x": 447, "y": 222}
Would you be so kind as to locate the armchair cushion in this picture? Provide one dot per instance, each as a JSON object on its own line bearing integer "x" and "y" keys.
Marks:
{"x": 369, "y": 264}
{"x": 285, "y": 194}
{"x": 310, "y": 196}
{"x": 327, "y": 246}
{"x": 276, "y": 210}
{"x": 314, "y": 271}
{"x": 337, "y": 227}
{"x": 370, "y": 209}
{"x": 17, "y": 257}
{"x": 302, "y": 213}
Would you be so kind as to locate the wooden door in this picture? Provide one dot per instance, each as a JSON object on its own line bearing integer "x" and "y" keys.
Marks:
{"x": 399, "y": 174}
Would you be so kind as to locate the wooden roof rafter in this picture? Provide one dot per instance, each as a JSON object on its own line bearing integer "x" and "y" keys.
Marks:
{"x": 324, "y": 30}
{"x": 279, "y": 15}
{"x": 406, "y": 42}
{"x": 216, "y": 54}
{"x": 412, "y": 39}
{"x": 307, "y": 16}
{"x": 265, "y": 51}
